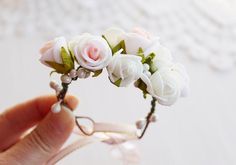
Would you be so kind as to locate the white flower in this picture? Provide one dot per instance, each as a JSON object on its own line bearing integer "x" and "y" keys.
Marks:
{"x": 125, "y": 67}
{"x": 163, "y": 57}
{"x": 142, "y": 32}
{"x": 184, "y": 78}
{"x": 133, "y": 40}
{"x": 114, "y": 36}
{"x": 91, "y": 52}
{"x": 167, "y": 84}
{"x": 51, "y": 51}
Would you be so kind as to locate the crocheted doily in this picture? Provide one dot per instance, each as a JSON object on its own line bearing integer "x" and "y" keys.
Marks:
{"x": 204, "y": 30}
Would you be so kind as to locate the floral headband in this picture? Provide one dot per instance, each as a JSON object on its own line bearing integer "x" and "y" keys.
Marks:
{"x": 129, "y": 58}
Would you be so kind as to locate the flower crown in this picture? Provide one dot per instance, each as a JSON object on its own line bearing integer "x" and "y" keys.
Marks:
{"x": 134, "y": 57}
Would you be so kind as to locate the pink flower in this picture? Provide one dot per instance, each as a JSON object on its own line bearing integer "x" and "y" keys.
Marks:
{"x": 51, "y": 51}
{"x": 91, "y": 52}
{"x": 142, "y": 32}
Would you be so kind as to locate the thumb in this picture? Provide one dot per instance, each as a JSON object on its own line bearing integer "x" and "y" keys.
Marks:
{"x": 48, "y": 137}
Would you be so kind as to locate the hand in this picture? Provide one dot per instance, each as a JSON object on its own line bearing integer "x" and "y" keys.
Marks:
{"x": 50, "y": 133}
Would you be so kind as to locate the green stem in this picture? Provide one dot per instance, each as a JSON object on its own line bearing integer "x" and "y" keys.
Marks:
{"x": 148, "y": 117}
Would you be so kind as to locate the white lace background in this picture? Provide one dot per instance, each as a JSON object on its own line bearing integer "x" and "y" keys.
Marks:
{"x": 204, "y": 30}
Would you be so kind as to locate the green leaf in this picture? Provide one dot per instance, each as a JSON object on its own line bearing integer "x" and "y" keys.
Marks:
{"x": 59, "y": 68}
{"x": 72, "y": 55}
{"x": 145, "y": 94}
{"x": 107, "y": 41}
{"x": 122, "y": 44}
{"x": 97, "y": 73}
{"x": 141, "y": 54}
{"x": 67, "y": 60}
{"x": 119, "y": 46}
{"x": 149, "y": 58}
{"x": 143, "y": 87}
{"x": 153, "y": 68}
{"x": 118, "y": 82}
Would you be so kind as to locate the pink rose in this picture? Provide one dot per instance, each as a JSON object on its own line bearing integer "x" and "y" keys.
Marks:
{"x": 142, "y": 32}
{"x": 91, "y": 52}
{"x": 51, "y": 51}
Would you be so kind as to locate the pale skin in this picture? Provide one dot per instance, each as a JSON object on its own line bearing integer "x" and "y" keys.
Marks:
{"x": 50, "y": 133}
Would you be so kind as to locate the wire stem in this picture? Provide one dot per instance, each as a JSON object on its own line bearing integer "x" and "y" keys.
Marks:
{"x": 148, "y": 117}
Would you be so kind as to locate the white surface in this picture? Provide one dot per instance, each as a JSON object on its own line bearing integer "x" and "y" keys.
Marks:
{"x": 204, "y": 30}
{"x": 198, "y": 130}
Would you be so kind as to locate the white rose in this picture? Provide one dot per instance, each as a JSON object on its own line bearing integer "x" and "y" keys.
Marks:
{"x": 91, "y": 52}
{"x": 184, "y": 78}
{"x": 133, "y": 40}
{"x": 51, "y": 51}
{"x": 113, "y": 36}
{"x": 163, "y": 57}
{"x": 167, "y": 84}
{"x": 126, "y": 67}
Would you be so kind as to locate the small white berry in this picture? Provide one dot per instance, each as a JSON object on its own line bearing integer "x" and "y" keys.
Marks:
{"x": 87, "y": 74}
{"x": 52, "y": 84}
{"x": 73, "y": 73}
{"x": 153, "y": 118}
{"x": 83, "y": 73}
{"x": 56, "y": 107}
{"x": 65, "y": 79}
{"x": 58, "y": 89}
{"x": 146, "y": 67}
{"x": 140, "y": 123}
{"x": 58, "y": 92}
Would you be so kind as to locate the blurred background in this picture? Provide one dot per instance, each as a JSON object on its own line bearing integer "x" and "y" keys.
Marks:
{"x": 197, "y": 130}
